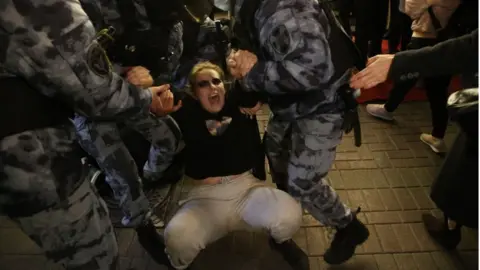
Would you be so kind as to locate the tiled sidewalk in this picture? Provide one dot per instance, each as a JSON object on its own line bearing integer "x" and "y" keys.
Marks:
{"x": 389, "y": 176}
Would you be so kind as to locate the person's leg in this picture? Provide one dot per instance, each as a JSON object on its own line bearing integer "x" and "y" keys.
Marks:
{"x": 437, "y": 91}
{"x": 395, "y": 98}
{"x": 344, "y": 10}
{"x": 397, "y": 94}
{"x": 102, "y": 141}
{"x": 314, "y": 142}
{"x": 406, "y": 30}
{"x": 166, "y": 139}
{"x": 362, "y": 25}
{"x": 444, "y": 231}
{"x": 379, "y": 15}
{"x": 279, "y": 214}
{"x": 76, "y": 233}
{"x": 277, "y": 143}
{"x": 196, "y": 224}
{"x": 394, "y": 31}
{"x": 271, "y": 209}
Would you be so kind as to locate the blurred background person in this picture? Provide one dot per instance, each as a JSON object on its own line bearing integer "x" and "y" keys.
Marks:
{"x": 370, "y": 24}
{"x": 399, "y": 31}
{"x": 455, "y": 189}
{"x": 424, "y": 34}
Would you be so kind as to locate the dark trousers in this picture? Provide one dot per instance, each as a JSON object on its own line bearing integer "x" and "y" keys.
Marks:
{"x": 437, "y": 91}
{"x": 370, "y": 22}
{"x": 400, "y": 31}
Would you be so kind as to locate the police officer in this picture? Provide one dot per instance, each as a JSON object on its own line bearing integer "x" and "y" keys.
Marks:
{"x": 51, "y": 64}
{"x": 134, "y": 43}
{"x": 299, "y": 61}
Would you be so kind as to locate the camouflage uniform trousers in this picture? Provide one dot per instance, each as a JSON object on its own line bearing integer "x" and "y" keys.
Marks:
{"x": 76, "y": 233}
{"x": 103, "y": 142}
{"x": 44, "y": 188}
{"x": 301, "y": 152}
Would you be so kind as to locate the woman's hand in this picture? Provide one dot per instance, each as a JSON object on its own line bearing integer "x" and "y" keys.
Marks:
{"x": 251, "y": 112}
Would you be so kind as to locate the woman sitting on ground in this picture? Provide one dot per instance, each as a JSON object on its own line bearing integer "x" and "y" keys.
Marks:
{"x": 219, "y": 155}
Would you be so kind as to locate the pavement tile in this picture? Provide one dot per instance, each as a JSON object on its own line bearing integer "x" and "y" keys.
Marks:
{"x": 389, "y": 177}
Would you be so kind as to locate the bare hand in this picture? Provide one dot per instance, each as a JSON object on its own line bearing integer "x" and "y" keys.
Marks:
{"x": 163, "y": 101}
{"x": 375, "y": 73}
{"x": 251, "y": 111}
{"x": 140, "y": 76}
{"x": 240, "y": 63}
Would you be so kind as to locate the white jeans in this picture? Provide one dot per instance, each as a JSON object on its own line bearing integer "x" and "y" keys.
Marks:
{"x": 212, "y": 211}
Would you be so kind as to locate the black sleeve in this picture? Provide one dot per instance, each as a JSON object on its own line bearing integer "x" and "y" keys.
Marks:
{"x": 242, "y": 98}
{"x": 455, "y": 56}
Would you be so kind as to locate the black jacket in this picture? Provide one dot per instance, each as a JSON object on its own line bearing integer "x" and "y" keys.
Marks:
{"x": 455, "y": 56}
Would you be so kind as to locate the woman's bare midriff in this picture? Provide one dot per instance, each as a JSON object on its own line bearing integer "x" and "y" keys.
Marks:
{"x": 423, "y": 35}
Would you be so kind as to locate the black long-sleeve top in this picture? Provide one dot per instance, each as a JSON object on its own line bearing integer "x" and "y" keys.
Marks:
{"x": 232, "y": 149}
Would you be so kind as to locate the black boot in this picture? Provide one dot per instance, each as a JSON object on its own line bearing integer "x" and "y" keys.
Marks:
{"x": 346, "y": 240}
{"x": 292, "y": 253}
{"x": 153, "y": 243}
{"x": 439, "y": 231}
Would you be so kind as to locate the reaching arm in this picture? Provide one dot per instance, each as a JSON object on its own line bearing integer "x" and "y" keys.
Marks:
{"x": 52, "y": 45}
{"x": 298, "y": 51}
{"x": 454, "y": 56}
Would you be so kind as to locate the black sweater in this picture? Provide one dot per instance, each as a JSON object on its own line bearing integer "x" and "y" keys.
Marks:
{"x": 234, "y": 150}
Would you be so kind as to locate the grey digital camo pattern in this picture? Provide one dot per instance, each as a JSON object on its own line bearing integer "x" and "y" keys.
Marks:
{"x": 293, "y": 35}
{"x": 296, "y": 64}
{"x": 45, "y": 189}
{"x": 49, "y": 44}
{"x": 102, "y": 139}
{"x": 51, "y": 52}
{"x": 78, "y": 234}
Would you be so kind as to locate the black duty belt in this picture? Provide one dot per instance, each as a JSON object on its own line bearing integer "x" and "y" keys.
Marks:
{"x": 24, "y": 108}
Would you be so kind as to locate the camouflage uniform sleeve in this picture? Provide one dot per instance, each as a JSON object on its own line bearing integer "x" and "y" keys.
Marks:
{"x": 295, "y": 44}
{"x": 52, "y": 44}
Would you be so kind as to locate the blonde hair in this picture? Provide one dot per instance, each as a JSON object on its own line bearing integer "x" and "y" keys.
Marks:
{"x": 200, "y": 67}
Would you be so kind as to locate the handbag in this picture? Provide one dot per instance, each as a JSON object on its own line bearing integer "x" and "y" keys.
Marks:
{"x": 463, "y": 109}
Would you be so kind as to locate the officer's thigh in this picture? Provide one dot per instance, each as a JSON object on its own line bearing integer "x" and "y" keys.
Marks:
{"x": 76, "y": 233}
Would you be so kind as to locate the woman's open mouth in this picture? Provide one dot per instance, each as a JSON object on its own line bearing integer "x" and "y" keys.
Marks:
{"x": 214, "y": 98}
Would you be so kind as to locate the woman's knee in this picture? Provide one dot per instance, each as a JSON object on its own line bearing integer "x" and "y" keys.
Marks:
{"x": 184, "y": 238}
{"x": 289, "y": 217}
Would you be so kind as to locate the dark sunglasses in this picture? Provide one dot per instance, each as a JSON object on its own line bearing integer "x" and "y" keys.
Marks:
{"x": 205, "y": 83}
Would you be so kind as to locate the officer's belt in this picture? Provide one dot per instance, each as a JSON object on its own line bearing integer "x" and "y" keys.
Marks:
{"x": 24, "y": 108}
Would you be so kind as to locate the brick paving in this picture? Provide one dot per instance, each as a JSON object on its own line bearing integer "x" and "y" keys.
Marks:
{"x": 389, "y": 176}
